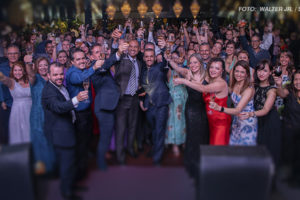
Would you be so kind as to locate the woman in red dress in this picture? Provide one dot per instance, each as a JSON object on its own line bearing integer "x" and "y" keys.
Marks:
{"x": 216, "y": 89}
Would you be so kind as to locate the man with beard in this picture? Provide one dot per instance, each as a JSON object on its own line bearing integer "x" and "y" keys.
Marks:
{"x": 59, "y": 126}
{"x": 156, "y": 100}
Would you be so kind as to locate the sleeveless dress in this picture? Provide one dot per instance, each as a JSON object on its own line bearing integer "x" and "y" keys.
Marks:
{"x": 269, "y": 126}
{"x": 197, "y": 130}
{"x": 219, "y": 122}
{"x": 42, "y": 149}
{"x": 279, "y": 103}
{"x": 19, "y": 126}
{"x": 243, "y": 132}
{"x": 176, "y": 130}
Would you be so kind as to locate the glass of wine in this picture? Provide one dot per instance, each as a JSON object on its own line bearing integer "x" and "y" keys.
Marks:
{"x": 212, "y": 99}
{"x": 278, "y": 71}
{"x": 86, "y": 85}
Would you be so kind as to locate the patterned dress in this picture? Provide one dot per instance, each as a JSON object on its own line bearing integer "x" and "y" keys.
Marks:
{"x": 243, "y": 132}
{"x": 279, "y": 101}
{"x": 176, "y": 128}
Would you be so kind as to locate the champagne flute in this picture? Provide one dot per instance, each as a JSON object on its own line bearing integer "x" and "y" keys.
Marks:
{"x": 212, "y": 99}
{"x": 278, "y": 71}
{"x": 86, "y": 85}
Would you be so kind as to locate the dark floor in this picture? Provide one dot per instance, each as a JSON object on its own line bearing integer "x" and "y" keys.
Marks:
{"x": 140, "y": 180}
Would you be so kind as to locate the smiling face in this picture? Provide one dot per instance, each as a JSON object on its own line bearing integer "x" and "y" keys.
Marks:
{"x": 215, "y": 69}
{"x": 133, "y": 48}
{"x": 255, "y": 42}
{"x": 18, "y": 72}
{"x": 62, "y": 58}
{"x": 284, "y": 59}
{"x": 56, "y": 75}
{"x": 296, "y": 81}
{"x": 204, "y": 52}
{"x": 194, "y": 64}
{"x": 240, "y": 73}
{"x": 149, "y": 57}
{"x": 43, "y": 67}
{"x": 230, "y": 49}
{"x": 264, "y": 73}
{"x": 79, "y": 60}
{"x": 13, "y": 54}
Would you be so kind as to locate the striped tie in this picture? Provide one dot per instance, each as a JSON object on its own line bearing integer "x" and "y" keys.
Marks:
{"x": 132, "y": 80}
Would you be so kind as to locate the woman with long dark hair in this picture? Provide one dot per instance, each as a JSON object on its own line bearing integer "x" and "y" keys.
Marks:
{"x": 243, "y": 131}
{"x": 291, "y": 125}
{"x": 269, "y": 125}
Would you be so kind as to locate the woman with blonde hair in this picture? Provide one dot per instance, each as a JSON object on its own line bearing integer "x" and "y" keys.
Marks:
{"x": 195, "y": 115}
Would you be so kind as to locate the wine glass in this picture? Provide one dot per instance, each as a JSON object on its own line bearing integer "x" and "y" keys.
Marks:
{"x": 86, "y": 85}
{"x": 278, "y": 71}
{"x": 212, "y": 99}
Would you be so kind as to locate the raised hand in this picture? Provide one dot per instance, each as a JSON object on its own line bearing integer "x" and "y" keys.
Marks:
{"x": 98, "y": 64}
{"x": 28, "y": 59}
{"x": 83, "y": 95}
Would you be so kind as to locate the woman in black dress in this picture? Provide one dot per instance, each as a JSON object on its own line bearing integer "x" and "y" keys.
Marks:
{"x": 291, "y": 125}
{"x": 269, "y": 124}
{"x": 195, "y": 114}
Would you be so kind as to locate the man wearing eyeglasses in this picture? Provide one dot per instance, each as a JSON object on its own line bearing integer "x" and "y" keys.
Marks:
{"x": 13, "y": 55}
{"x": 256, "y": 53}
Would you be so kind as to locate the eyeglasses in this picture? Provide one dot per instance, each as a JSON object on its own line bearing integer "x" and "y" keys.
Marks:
{"x": 12, "y": 53}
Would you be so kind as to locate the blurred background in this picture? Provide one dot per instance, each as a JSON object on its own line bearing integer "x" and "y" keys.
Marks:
{"x": 23, "y": 12}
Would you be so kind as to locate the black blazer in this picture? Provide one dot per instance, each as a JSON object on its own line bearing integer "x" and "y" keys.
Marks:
{"x": 123, "y": 72}
{"x": 154, "y": 81}
{"x": 106, "y": 89}
{"x": 58, "y": 126}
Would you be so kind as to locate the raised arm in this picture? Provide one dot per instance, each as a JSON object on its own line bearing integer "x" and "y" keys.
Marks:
{"x": 182, "y": 71}
{"x": 7, "y": 81}
{"x": 215, "y": 87}
{"x": 29, "y": 69}
{"x": 271, "y": 96}
{"x": 281, "y": 91}
{"x": 246, "y": 97}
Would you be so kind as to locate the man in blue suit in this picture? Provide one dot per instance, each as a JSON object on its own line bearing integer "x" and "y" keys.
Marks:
{"x": 106, "y": 101}
{"x": 156, "y": 101}
{"x": 59, "y": 126}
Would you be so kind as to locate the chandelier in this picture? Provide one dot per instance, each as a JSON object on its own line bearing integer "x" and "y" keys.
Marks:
{"x": 142, "y": 8}
{"x": 177, "y": 8}
{"x": 126, "y": 9}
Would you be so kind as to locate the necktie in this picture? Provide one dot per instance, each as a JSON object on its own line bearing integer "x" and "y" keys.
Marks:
{"x": 132, "y": 79}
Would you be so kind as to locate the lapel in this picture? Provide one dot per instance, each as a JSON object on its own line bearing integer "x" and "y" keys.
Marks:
{"x": 57, "y": 91}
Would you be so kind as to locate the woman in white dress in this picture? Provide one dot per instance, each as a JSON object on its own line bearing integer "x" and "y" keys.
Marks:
{"x": 19, "y": 126}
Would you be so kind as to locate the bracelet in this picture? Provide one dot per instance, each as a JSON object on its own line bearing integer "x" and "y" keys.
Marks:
{"x": 222, "y": 109}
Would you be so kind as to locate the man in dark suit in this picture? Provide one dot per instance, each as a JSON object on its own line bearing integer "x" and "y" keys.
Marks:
{"x": 59, "y": 125}
{"x": 127, "y": 73}
{"x": 106, "y": 101}
{"x": 156, "y": 100}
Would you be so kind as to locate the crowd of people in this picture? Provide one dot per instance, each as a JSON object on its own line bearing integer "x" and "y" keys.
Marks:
{"x": 182, "y": 85}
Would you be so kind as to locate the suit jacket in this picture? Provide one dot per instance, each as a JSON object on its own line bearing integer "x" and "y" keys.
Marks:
{"x": 58, "y": 126}
{"x": 123, "y": 72}
{"x": 107, "y": 91}
{"x": 154, "y": 81}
